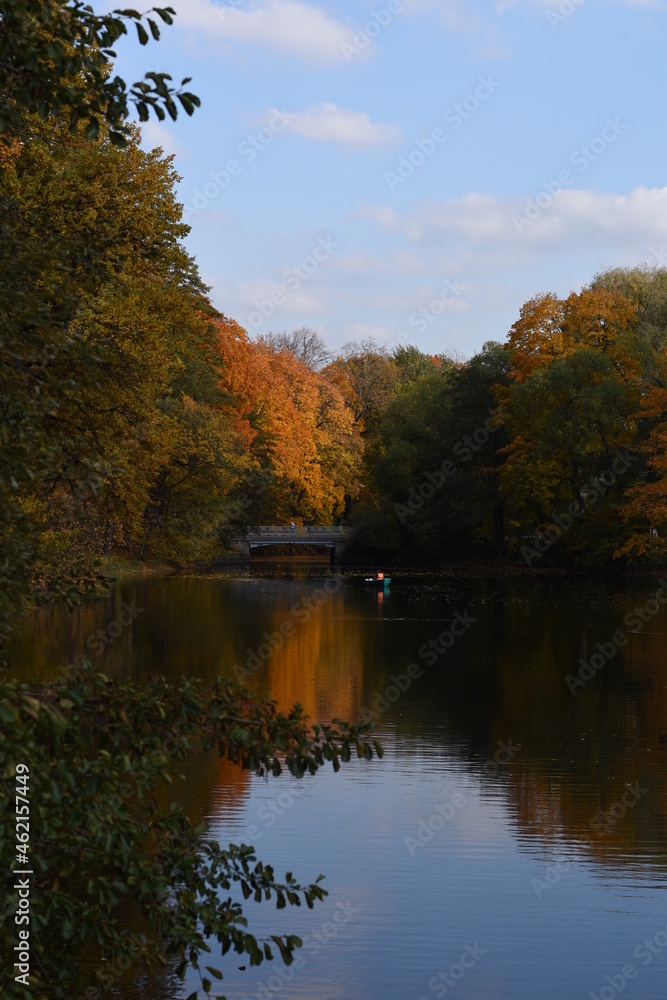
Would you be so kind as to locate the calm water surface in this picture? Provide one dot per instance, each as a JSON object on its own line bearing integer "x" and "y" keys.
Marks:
{"x": 511, "y": 845}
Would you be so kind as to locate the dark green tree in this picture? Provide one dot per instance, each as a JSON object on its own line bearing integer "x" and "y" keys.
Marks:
{"x": 117, "y": 878}
{"x": 56, "y": 58}
{"x": 433, "y": 464}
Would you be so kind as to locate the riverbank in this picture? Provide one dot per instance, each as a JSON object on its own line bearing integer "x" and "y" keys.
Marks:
{"x": 118, "y": 569}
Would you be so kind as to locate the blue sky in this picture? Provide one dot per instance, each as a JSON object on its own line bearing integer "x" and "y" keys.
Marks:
{"x": 434, "y": 163}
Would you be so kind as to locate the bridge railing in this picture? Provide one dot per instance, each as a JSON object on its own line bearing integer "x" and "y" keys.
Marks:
{"x": 299, "y": 533}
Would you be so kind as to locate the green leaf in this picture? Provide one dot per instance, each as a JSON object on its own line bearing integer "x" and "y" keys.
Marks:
{"x": 142, "y": 33}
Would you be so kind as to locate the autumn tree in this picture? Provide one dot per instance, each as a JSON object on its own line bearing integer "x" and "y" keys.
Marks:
{"x": 367, "y": 376}
{"x": 304, "y": 343}
{"x": 574, "y": 384}
{"x": 298, "y": 430}
{"x": 644, "y": 507}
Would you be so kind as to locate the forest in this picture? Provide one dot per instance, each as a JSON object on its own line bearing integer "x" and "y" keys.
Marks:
{"x": 170, "y": 429}
{"x": 141, "y": 424}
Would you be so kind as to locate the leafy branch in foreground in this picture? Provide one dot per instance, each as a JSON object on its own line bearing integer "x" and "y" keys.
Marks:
{"x": 117, "y": 876}
{"x": 56, "y": 58}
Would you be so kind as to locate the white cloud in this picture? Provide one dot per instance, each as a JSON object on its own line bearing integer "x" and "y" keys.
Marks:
{"x": 289, "y": 27}
{"x": 329, "y": 123}
{"x": 155, "y": 134}
{"x": 316, "y": 36}
{"x": 503, "y": 4}
{"x": 573, "y": 217}
{"x": 474, "y": 239}
{"x": 481, "y": 22}
{"x": 462, "y": 17}
{"x": 358, "y": 265}
{"x": 388, "y": 280}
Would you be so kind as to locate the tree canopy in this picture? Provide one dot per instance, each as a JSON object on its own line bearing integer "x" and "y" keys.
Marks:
{"x": 555, "y": 436}
{"x": 56, "y": 58}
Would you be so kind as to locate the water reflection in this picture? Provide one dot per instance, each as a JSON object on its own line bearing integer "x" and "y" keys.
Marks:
{"x": 586, "y": 789}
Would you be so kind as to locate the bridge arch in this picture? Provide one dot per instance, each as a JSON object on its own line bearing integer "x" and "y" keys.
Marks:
{"x": 333, "y": 537}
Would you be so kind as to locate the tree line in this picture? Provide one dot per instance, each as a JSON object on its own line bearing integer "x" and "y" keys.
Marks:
{"x": 132, "y": 416}
{"x": 144, "y": 423}
{"x": 137, "y": 420}
{"x": 547, "y": 449}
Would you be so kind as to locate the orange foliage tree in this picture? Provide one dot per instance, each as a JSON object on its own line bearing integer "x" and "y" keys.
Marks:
{"x": 297, "y": 428}
{"x": 574, "y": 387}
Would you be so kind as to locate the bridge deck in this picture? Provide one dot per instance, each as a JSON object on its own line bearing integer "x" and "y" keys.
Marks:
{"x": 326, "y": 535}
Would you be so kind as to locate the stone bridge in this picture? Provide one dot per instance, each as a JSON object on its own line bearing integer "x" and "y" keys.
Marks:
{"x": 333, "y": 537}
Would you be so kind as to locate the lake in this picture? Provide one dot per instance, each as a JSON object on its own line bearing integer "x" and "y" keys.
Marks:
{"x": 512, "y": 844}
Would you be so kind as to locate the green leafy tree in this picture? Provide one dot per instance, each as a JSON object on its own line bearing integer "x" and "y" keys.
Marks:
{"x": 56, "y": 59}
{"x": 367, "y": 376}
{"x": 433, "y": 462}
{"x": 117, "y": 878}
{"x": 100, "y": 308}
{"x": 646, "y": 289}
